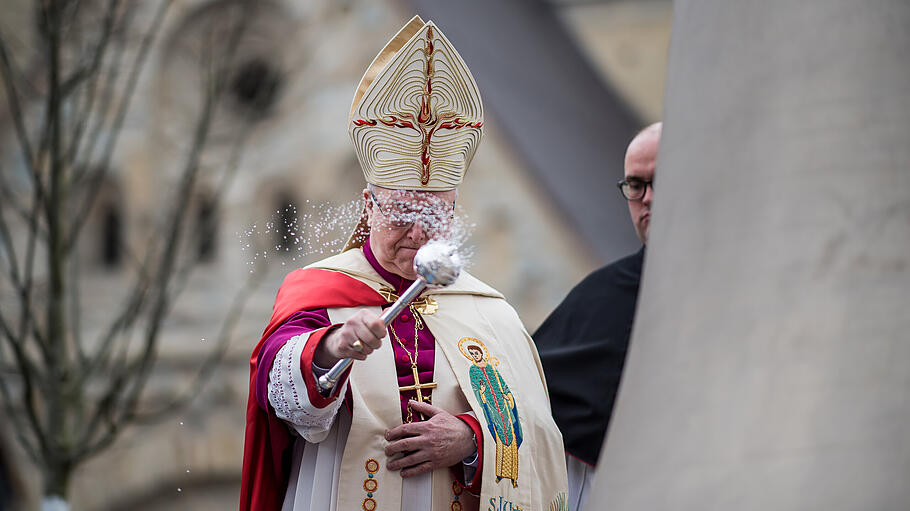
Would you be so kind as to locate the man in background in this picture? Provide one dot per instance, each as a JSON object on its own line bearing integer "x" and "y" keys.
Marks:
{"x": 583, "y": 343}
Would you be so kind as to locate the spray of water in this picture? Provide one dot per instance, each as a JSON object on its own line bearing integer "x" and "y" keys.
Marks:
{"x": 296, "y": 235}
{"x": 318, "y": 229}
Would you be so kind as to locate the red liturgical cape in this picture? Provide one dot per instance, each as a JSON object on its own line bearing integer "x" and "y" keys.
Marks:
{"x": 266, "y": 450}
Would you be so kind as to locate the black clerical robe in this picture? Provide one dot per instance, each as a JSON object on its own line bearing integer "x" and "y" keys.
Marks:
{"x": 582, "y": 346}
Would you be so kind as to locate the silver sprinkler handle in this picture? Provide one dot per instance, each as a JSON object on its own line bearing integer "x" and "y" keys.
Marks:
{"x": 327, "y": 381}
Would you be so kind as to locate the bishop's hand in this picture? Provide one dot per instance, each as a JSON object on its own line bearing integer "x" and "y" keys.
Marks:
{"x": 417, "y": 447}
{"x": 356, "y": 338}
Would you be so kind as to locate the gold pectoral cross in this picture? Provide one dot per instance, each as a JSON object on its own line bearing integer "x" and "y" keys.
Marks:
{"x": 418, "y": 387}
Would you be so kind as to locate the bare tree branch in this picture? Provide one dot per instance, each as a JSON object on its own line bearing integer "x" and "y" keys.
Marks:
{"x": 6, "y": 395}
{"x": 50, "y": 55}
{"x": 213, "y": 359}
{"x": 165, "y": 270}
{"x": 139, "y": 291}
{"x": 161, "y": 305}
{"x": 6, "y": 239}
{"x": 141, "y": 288}
{"x": 231, "y": 167}
{"x": 60, "y": 414}
{"x": 6, "y": 330}
{"x": 29, "y": 372}
{"x": 11, "y": 200}
{"x": 91, "y": 71}
{"x": 19, "y": 424}
{"x": 30, "y": 89}
{"x": 12, "y": 98}
{"x": 102, "y": 168}
{"x": 109, "y": 398}
{"x": 92, "y": 441}
{"x": 83, "y": 152}
{"x": 55, "y": 403}
{"x": 237, "y": 305}
{"x": 27, "y": 321}
{"x": 82, "y": 73}
{"x": 127, "y": 317}
{"x": 138, "y": 369}
{"x": 75, "y": 306}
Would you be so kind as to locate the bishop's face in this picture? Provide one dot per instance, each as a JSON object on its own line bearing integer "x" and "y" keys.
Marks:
{"x": 402, "y": 221}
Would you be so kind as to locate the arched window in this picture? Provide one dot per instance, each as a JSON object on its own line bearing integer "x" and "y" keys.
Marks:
{"x": 111, "y": 234}
{"x": 9, "y": 493}
{"x": 207, "y": 229}
{"x": 255, "y": 86}
{"x": 285, "y": 224}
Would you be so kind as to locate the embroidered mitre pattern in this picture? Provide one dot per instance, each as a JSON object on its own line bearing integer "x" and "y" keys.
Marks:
{"x": 420, "y": 120}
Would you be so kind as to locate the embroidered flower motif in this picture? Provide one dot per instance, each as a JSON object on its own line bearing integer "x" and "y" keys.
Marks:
{"x": 456, "y": 493}
{"x": 370, "y": 484}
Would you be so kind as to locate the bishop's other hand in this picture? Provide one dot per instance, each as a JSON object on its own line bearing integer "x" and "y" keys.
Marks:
{"x": 440, "y": 441}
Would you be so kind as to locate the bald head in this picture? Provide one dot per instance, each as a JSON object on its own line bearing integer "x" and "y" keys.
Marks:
{"x": 640, "y": 163}
{"x": 644, "y": 145}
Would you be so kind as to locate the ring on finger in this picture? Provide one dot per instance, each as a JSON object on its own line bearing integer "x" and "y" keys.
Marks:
{"x": 357, "y": 345}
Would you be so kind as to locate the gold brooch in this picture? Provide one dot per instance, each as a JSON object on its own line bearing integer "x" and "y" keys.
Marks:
{"x": 425, "y": 304}
{"x": 388, "y": 293}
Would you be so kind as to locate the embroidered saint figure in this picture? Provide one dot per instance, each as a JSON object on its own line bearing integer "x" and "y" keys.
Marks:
{"x": 498, "y": 405}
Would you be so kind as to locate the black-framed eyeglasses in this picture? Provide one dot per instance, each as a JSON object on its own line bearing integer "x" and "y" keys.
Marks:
{"x": 633, "y": 188}
{"x": 405, "y": 215}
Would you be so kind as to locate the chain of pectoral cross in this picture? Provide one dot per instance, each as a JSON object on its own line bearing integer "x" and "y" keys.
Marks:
{"x": 417, "y": 386}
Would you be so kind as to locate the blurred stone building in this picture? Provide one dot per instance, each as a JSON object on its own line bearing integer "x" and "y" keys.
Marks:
{"x": 290, "y": 95}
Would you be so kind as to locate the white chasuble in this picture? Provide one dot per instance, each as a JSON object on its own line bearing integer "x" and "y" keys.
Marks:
{"x": 485, "y": 362}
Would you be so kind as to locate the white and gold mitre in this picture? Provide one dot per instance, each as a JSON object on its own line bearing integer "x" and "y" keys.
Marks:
{"x": 416, "y": 119}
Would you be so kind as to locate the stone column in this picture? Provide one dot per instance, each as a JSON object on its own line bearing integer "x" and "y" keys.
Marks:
{"x": 770, "y": 361}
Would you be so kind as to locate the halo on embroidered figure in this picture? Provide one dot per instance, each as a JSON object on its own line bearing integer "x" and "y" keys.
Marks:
{"x": 466, "y": 343}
